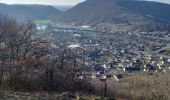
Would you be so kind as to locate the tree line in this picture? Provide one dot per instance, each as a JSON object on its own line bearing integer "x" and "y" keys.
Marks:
{"x": 29, "y": 63}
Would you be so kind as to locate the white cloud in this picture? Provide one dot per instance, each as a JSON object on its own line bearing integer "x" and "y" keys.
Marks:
{"x": 45, "y": 2}
{"x": 57, "y": 2}
{"x": 163, "y": 1}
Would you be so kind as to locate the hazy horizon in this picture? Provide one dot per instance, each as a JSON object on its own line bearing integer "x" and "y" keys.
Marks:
{"x": 58, "y": 2}
{"x": 163, "y": 1}
{"x": 43, "y": 2}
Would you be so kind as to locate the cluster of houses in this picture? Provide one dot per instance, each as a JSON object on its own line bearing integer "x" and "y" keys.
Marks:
{"x": 149, "y": 64}
{"x": 111, "y": 55}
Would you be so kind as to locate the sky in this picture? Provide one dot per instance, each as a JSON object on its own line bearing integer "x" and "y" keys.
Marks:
{"x": 44, "y": 2}
{"x": 56, "y": 2}
{"x": 163, "y": 1}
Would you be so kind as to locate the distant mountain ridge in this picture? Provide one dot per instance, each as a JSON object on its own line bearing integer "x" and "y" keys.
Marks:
{"x": 159, "y": 11}
{"x": 113, "y": 14}
{"x": 63, "y": 8}
{"x": 28, "y": 12}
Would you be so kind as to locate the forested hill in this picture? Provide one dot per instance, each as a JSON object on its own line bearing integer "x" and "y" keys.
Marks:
{"x": 159, "y": 11}
{"x": 28, "y": 12}
{"x": 119, "y": 12}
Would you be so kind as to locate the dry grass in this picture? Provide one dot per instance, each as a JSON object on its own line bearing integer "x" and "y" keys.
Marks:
{"x": 141, "y": 86}
{"x": 48, "y": 96}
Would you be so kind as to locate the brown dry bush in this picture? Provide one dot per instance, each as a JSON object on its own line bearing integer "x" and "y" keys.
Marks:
{"x": 145, "y": 87}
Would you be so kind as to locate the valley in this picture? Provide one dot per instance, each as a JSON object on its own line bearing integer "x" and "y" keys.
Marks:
{"x": 95, "y": 50}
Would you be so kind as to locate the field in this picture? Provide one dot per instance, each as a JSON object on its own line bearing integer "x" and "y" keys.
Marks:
{"x": 41, "y": 21}
{"x": 142, "y": 86}
{"x": 46, "y": 96}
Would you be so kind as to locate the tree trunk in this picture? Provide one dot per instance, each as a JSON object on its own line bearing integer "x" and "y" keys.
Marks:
{"x": 105, "y": 89}
{"x": 49, "y": 79}
{"x": 1, "y": 77}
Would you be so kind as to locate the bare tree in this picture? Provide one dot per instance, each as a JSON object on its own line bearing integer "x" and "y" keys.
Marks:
{"x": 15, "y": 41}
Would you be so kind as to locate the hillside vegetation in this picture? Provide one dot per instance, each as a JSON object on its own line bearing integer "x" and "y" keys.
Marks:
{"x": 112, "y": 13}
{"x": 28, "y": 12}
{"x": 159, "y": 11}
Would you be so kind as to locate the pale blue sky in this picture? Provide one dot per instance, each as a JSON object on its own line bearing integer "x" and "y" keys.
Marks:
{"x": 56, "y": 2}
{"x": 164, "y": 1}
{"x": 44, "y": 2}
